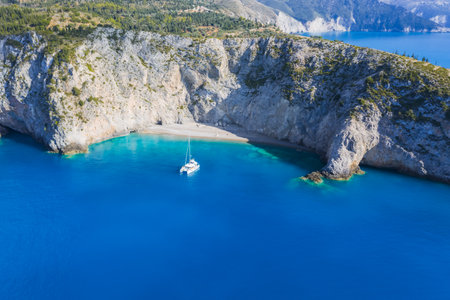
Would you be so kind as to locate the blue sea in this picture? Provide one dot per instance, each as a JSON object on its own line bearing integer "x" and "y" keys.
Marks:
{"x": 120, "y": 223}
{"x": 433, "y": 46}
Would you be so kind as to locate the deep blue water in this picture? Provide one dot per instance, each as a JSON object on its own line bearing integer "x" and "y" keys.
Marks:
{"x": 434, "y": 46}
{"x": 121, "y": 223}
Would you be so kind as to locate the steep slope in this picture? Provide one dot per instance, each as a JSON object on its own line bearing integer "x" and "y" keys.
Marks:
{"x": 348, "y": 104}
{"x": 203, "y": 17}
{"x": 254, "y": 10}
{"x": 340, "y": 15}
{"x": 436, "y": 11}
{"x": 249, "y": 9}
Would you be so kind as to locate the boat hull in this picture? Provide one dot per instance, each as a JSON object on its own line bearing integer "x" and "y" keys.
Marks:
{"x": 189, "y": 170}
{"x": 193, "y": 170}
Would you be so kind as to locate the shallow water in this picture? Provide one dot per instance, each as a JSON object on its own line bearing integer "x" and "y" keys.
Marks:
{"x": 120, "y": 222}
{"x": 434, "y": 46}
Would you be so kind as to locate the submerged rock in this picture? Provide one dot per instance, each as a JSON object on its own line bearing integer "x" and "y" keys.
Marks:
{"x": 315, "y": 177}
{"x": 350, "y": 105}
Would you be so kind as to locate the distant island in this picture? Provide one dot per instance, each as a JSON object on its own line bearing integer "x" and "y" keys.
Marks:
{"x": 82, "y": 72}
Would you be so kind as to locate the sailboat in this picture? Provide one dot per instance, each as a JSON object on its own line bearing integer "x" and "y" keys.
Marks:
{"x": 190, "y": 165}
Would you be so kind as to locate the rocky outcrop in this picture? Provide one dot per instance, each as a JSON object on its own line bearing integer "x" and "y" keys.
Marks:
{"x": 249, "y": 9}
{"x": 350, "y": 105}
{"x": 288, "y": 24}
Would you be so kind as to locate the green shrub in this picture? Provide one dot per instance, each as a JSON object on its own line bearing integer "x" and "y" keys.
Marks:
{"x": 90, "y": 68}
{"x": 76, "y": 91}
{"x": 96, "y": 100}
{"x": 65, "y": 55}
{"x": 14, "y": 43}
{"x": 410, "y": 115}
{"x": 12, "y": 58}
{"x": 143, "y": 62}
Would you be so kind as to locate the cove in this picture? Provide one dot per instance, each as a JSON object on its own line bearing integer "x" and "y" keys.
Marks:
{"x": 119, "y": 222}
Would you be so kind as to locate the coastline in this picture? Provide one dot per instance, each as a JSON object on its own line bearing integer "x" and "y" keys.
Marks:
{"x": 209, "y": 132}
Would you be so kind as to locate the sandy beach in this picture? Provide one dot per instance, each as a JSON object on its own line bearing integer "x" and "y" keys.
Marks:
{"x": 229, "y": 133}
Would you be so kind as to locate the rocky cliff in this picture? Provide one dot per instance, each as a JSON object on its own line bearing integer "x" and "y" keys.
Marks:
{"x": 436, "y": 11}
{"x": 350, "y": 105}
{"x": 293, "y": 16}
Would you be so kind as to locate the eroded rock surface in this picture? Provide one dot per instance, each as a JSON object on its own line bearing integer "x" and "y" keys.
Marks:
{"x": 348, "y": 104}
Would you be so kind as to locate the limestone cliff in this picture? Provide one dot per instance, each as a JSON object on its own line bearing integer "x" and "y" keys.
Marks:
{"x": 350, "y": 105}
{"x": 293, "y": 16}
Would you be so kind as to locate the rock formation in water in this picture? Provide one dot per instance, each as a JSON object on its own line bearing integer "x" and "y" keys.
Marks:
{"x": 350, "y": 105}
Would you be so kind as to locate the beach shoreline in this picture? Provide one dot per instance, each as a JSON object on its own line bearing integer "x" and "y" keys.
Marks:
{"x": 209, "y": 132}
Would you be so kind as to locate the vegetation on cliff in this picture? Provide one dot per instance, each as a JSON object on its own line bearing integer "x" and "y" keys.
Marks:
{"x": 65, "y": 24}
{"x": 124, "y": 80}
{"x": 182, "y": 17}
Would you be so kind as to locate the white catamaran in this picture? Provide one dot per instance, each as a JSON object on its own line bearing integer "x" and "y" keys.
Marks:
{"x": 190, "y": 165}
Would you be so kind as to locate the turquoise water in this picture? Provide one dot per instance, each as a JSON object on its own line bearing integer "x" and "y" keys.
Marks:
{"x": 121, "y": 223}
{"x": 434, "y": 46}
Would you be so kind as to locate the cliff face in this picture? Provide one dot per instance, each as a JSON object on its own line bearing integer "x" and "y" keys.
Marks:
{"x": 348, "y": 104}
{"x": 254, "y": 10}
{"x": 436, "y": 11}
{"x": 294, "y": 16}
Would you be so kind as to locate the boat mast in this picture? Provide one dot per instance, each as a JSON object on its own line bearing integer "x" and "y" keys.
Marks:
{"x": 189, "y": 147}
{"x": 187, "y": 153}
